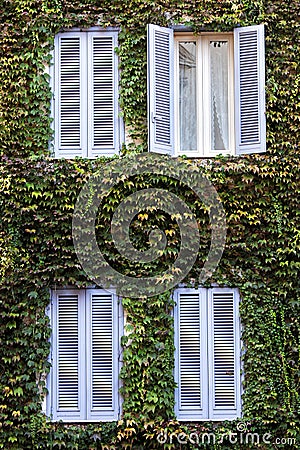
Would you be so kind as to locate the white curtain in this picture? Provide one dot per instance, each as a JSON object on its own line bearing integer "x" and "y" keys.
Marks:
{"x": 187, "y": 96}
{"x": 219, "y": 95}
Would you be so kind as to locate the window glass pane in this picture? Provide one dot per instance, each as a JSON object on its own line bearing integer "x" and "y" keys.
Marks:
{"x": 219, "y": 95}
{"x": 187, "y": 96}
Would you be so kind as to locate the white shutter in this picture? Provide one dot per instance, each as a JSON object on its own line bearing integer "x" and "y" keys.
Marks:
{"x": 160, "y": 89}
{"x": 85, "y": 354}
{"x": 102, "y": 323}
{"x": 67, "y": 352}
{"x": 103, "y": 94}
{"x": 70, "y": 101}
{"x": 191, "y": 344}
{"x": 86, "y": 94}
{"x": 207, "y": 354}
{"x": 250, "y": 89}
{"x": 224, "y": 354}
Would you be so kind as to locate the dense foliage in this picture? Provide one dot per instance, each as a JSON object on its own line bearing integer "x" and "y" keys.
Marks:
{"x": 260, "y": 195}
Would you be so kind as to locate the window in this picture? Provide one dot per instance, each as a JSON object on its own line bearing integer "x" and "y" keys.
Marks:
{"x": 206, "y": 92}
{"x": 204, "y": 76}
{"x": 207, "y": 357}
{"x": 83, "y": 384}
{"x": 86, "y": 119}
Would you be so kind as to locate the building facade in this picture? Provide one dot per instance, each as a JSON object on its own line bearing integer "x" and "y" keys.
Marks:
{"x": 150, "y": 226}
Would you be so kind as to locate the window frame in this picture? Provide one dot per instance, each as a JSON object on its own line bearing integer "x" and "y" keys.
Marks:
{"x": 203, "y": 89}
{"x": 207, "y": 411}
{"x": 85, "y": 413}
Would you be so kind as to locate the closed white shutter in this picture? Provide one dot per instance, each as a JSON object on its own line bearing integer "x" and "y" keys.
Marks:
{"x": 103, "y": 94}
{"x": 67, "y": 353}
{"x": 160, "y": 89}
{"x": 85, "y": 355}
{"x": 102, "y": 356}
{"x": 250, "y": 89}
{"x": 191, "y": 367}
{"x": 207, "y": 356}
{"x": 70, "y": 102}
{"x": 86, "y": 94}
{"x": 223, "y": 350}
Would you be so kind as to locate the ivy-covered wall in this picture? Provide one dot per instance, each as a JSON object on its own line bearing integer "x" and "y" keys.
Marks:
{"x": 260, "y": 195}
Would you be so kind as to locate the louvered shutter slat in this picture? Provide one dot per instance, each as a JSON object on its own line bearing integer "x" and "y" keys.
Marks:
{"x": 69, "y": 93}
{"x": 68, "y": 352}
{"x": 224, "y": 369}
{"x": 102, "y": 352}
{"x": 189, "y": 352}
{"x": 249, "y": 89}
{"x": 191, "y": 370}
{"x": 160, "y": 89}
{"x": 103, "y": 93}
{"x": 162, "y": 73}
{"x": 223, "y": 349}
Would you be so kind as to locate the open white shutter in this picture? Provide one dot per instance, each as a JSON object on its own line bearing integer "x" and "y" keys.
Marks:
{"x": 160, "y": 89}
{"x": 70, "y": 99}
{"x": 103, "y": 94}
{"x": 67, "y": 351}
{"x": 224, "y": 354}
{"x": 249, "y": 56}
{"x": 191, "y": 367}
{"x": 102, "y": 346}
